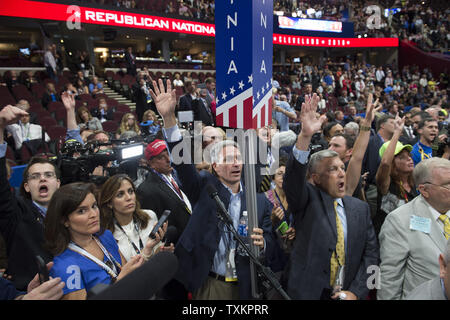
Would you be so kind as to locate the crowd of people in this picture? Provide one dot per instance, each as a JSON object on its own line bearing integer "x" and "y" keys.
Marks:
{"x": 355, "y": 177}
{"x": 191, "y": 9}
{"x": 345, "y": 83}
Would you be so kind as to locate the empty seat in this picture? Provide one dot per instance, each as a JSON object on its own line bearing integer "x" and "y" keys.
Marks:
{"x": 123, "y": 108}
{"x": 56, "y": 132}
{"x": 47, "y": 122}
{"x": 110, "y": 126}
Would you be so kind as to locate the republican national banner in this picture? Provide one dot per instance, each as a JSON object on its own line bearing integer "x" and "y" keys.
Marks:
{"x": 244, "y": 51}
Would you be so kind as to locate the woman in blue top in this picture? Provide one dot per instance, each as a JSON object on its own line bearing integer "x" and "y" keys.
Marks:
{"x": 84, "y": 254}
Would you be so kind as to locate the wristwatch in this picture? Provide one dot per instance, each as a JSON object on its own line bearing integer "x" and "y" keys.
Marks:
{"x": 364, "y": 128}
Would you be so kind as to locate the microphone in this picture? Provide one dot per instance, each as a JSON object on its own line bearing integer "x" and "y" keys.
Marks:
{"x": 212, "y": 191}
{"x": 171, "y": 235}
{"x": 144, "y": 282}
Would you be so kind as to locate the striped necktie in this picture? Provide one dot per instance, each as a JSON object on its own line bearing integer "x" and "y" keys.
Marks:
{"x": 338, "y": 260}
{"x": 266, "y": 182}
{"x": 446, "y": 220}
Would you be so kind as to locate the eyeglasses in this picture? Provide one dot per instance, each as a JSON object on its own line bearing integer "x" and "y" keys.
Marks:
{"x": 37, "y": 175}
{"x": 445, "y": 186}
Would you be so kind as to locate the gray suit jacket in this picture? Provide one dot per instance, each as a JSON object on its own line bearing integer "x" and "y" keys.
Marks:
{"x": 315, "y": 223}
{"x": 408, "y": 257}
{"x": 430, "y": 290}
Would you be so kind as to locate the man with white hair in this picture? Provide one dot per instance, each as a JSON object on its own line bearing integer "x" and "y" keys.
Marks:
{"x": 439, "y": 287}
{"x": 414, "y": 234}
{"x": 352, "y": 129}
{"x": 337, "y": 236}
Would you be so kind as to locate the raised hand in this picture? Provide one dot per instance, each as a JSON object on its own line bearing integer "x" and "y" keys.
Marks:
{"x": 165, "y": 101}
{"x": 399, "y": 123}
{"x": 9, "y": 115}
{"x": 310, "y": 123}
{"x": 370, "y": 110}
{"x": 68, "y": 100}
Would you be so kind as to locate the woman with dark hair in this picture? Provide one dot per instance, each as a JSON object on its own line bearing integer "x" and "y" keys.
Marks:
{"x": 282, "y": 220}
{"x": 122, "y": 214}
{"x": 86, "y": 121}
{"x": 394, "y": 176}
{"x": 84, "y": 254}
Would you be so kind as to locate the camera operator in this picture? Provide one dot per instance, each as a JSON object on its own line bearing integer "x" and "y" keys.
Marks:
{"x": 73, "y": 133}
{"x": 21, "y": 219}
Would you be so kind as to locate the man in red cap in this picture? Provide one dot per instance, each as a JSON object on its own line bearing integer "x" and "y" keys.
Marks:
{"x": 161, "y": 191}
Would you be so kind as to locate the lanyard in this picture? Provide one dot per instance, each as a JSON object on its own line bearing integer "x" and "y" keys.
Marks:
{"x": 403, "y": 191}
{"x": 141, "y": 246}
{"x": 113, "y": 262}
{"x": 25, "y": 131}
{"x": 423, "y": 155}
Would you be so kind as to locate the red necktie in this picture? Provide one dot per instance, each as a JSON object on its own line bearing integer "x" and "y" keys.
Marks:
{"x": 174, "y": 184}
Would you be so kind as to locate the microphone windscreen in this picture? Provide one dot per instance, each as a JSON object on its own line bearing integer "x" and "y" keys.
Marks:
{"x": 211, "y": 190}
{"x": 145, "y": 281}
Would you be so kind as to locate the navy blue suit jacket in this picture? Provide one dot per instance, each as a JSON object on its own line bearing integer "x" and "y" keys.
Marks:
{"x": 372, "y": 159}
{"x": 200, "y": 240}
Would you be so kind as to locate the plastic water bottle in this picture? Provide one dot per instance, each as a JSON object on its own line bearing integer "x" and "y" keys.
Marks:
{"x": 243, "y": 232}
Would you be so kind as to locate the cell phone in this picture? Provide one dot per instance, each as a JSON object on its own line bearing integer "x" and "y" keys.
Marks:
{"x": 283, "y": 227}
{"x": 161, "y": 221}
{"x": 42, "y": 270}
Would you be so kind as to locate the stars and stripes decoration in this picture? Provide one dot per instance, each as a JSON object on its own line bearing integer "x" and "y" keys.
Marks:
{"x": 244, "y": 53}
{"x": 237, "y": 109}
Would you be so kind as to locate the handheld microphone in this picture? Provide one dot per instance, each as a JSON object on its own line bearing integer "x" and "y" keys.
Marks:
{"x": 144, "y": 282}
{"x": 212, "y": 191}
{"x": 171, "y": 235}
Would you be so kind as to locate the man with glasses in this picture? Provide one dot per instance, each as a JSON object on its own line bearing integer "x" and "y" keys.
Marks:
{"x": 21, "y": 219}
{"x": 413, "y": 235}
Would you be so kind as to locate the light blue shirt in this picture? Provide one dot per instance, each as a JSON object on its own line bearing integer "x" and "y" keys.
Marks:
{"x": 226, "y": 241}
{"x": 302, "y": 157}
{"x": 282, "y": 119}
{"x": 74, "y": 134}
{"x": 3, "y": 149}
{"x": 41, "y": 208}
